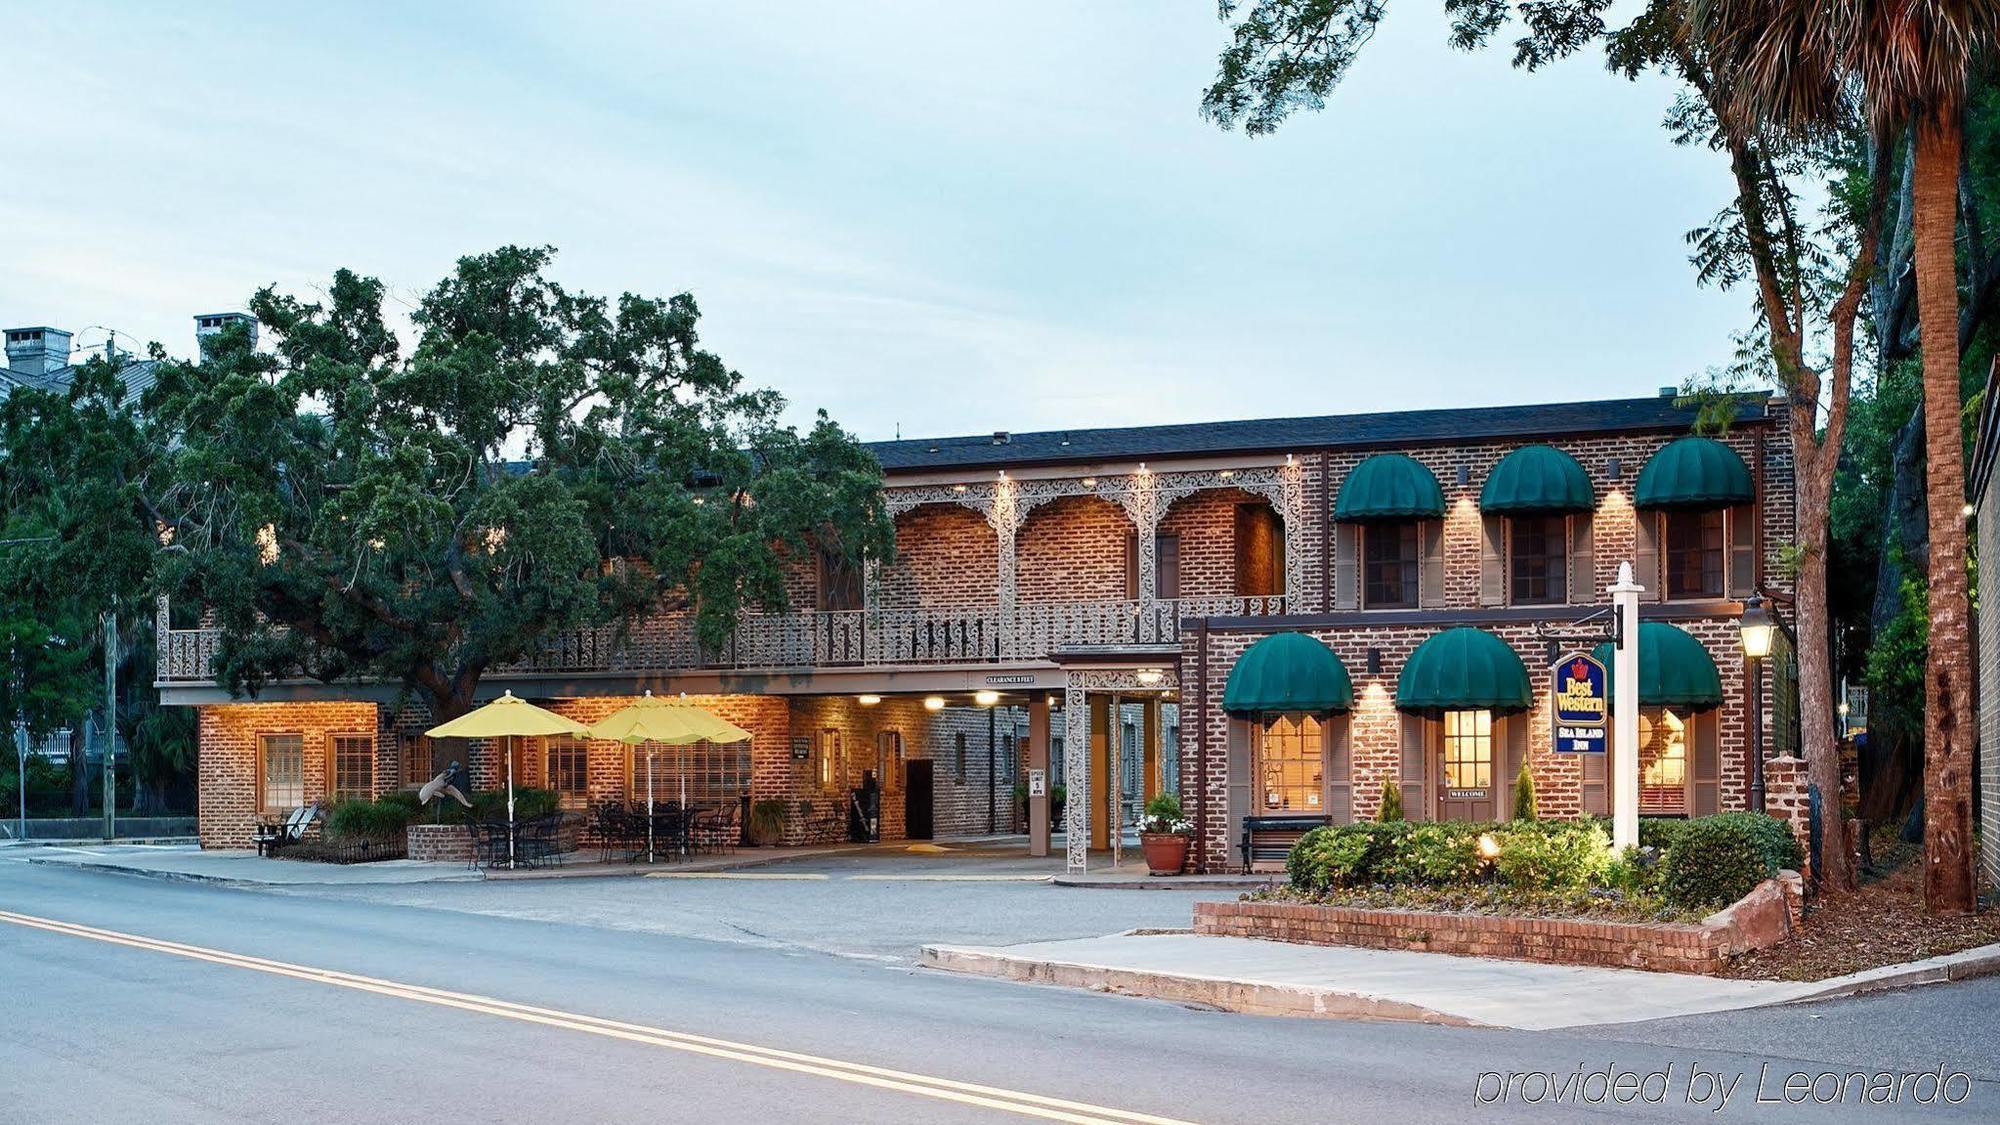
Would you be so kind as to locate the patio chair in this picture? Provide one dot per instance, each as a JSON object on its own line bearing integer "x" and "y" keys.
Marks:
{"x": 489, "y": 844}
{"x": 270, "y": 837}
{"x": 720, "y": 828}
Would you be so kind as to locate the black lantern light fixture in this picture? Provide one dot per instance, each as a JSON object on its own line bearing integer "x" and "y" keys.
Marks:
{"x": 1758, "y": 630}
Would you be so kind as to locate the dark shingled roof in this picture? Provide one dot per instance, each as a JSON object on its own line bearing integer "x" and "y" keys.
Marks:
{"x": 1301, "y": 435}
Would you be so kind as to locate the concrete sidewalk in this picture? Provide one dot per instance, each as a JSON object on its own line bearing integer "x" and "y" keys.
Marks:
{"x": 1279, "y": 978}
{"x": 192, "y": 864}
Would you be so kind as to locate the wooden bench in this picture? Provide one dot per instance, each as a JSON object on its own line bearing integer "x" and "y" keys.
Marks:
{"x": 1267, "y": 840}
{"x": 269, "y": 837}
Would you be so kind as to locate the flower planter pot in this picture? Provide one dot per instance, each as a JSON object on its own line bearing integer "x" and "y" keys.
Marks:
{"x": 1166, "y": 853}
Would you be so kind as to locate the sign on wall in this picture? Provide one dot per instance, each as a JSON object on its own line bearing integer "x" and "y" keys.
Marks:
{"x": 1580, "y": 704}
{"x": 1038, "y": 783}
{"x": 802, "y": 748}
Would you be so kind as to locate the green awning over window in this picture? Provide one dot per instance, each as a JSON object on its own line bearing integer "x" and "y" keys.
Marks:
{"x": 1389, "y": 486}
{"x": 1695, "y": 473}
{"x": 1537, "y": 480}
{"x": 1675, "y": 670}
{"x": 1463, "y": 669}
{"x": 1288, "y": 672}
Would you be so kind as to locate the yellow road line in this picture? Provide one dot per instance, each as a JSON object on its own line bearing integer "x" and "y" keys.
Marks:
{"x": 946, "y": 1089}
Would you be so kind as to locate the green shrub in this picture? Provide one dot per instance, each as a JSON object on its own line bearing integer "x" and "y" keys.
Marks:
{"x": 1658, "y": 832}
{"x": 1303, "y": 864}
{"x": 1552, "y": 855}
{"x": 1636, "y": 872}
{"x": 1347, "y": 856}
{"x": 1392, "y": 802}
{"x": 1524, "y": 794}
{"x": 367, "y": 820}
{"x": 767, "y": 821}
{"x": 405, "y": 799}
{"x": 1435, "y": 854}
{"x": 491, "y": 806}
{"x": 1715, "y": 860}
{"x": 1163, "y": 814}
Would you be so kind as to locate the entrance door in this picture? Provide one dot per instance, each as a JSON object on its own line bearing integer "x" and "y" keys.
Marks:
{"x": 1466, "y": 766}
{"x": 917, "y": 799}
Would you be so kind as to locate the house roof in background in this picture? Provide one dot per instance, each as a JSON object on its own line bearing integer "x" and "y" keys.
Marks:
{"x": 1329, "y": 431}
{"x": 138, "y": 375}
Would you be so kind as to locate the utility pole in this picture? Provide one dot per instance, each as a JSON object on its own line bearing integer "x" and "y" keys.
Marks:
{"x": 110, "y": 726}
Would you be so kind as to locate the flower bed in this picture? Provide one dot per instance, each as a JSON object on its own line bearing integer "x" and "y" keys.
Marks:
{"x": 1694, "y": 895}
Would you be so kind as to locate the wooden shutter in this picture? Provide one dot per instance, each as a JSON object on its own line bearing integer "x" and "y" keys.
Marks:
{"x": 1704, "y": 771}
{"x": 1582, "y": 562}
{"x": 1166, "y": 566}
{"x": 1240, "y": 780}
{"x": 1346, "y": 566}
{"x": 1338, "y": 771}
{"x": 1742, "y": 550}
{"x": 1646, "y": 554}
{"x": 1516, "y": 753}
{"x": 1492, "y": 560}
{"x": 1415, "y": 767}
{"x": 1430, "y": 563}
{"x": 1132, "y": 565}
{"x": 1596, "y": 783}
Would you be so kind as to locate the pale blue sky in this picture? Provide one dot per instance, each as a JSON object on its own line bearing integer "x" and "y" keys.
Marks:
{"x": 948, "y": 217}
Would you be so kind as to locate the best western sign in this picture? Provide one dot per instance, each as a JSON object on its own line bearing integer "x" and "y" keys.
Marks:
{"x": 1580, "y": 704}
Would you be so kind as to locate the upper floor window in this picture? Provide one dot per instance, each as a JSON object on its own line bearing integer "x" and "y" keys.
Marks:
{"x": 1260, "y": 551}
{"x": 840, "y": 586}
{"x": 1695, "y": 556}
{"x": 1389, "y": 565}
{"x": 1538, "y": 560}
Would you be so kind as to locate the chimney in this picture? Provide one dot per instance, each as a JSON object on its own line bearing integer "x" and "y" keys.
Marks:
{"x": 212, "y": 324}
{"x": 37, "y": 351}
{"x": 1002, "y": 437}
{"x": 1670, "y": 392}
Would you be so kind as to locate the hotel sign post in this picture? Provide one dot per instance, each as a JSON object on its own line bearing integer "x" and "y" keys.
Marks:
{"x": 1578, "y": 689}
{"x": 1580, "y": 706}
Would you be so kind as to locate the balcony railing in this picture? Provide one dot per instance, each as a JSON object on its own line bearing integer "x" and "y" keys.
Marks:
{"x": 841, "y": 638}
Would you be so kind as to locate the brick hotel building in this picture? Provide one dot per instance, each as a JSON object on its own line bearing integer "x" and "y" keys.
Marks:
{"x": 1273, "y": 618}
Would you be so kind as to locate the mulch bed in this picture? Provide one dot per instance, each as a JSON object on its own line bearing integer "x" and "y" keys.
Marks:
{"x": 1883, "y": 923}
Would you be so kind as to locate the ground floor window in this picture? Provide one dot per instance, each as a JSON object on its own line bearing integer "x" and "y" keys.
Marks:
{"x": 283, "y": 762}
{"x": 417, "y": 766}
{"x": 830, "y": 768}
{"x": 1468, "y": 749}
{"x": 1290, "y": 753}
{"x": 1663, "y": 761}
{"x": 713, "y": 773}
{"x": 566, "y": 765}
{"x": 353, "y": 767}
{"x": 889, "y": 759}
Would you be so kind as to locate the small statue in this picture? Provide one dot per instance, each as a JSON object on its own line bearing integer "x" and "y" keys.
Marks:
{"x": 452, "y": 782}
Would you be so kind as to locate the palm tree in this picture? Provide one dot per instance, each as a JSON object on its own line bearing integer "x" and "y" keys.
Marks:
{"x": 1790, "y": 65}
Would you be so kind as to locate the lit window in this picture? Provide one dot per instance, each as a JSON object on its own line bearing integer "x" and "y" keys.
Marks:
{"x": 1468, "y": 749}
{"x": 353, "y": 767}
{"x": 284, "y": 771}
{"x": 1289, "y": 757}
{"x": 566, "y": 765}
{"x": 1663, "y": 761}
{"x": 831, "y": 768}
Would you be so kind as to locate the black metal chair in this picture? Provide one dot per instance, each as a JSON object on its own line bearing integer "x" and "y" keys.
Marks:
{"x": 489, "y": 844}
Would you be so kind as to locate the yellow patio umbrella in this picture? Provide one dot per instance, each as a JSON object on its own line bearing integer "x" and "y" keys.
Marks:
{"x": 668, "y": 722}
{"x": 508, "y": 717}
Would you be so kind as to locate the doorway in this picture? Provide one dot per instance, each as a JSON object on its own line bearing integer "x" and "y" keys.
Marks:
{"x": 918, "y": 799}
{"x": 1466, "y": 765}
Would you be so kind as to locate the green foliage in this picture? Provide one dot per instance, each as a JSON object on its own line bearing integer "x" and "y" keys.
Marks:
{"x": 1719, "y": 859}
{"x": 48, "y": 787}
{"x": 767, "y": 821}
{"x": 1437, "y": 854}
{"x": 539, "y": 460}
{"x": 1392, "y": 802}
{"x": 491, "y": 805}
{"x": 1658, "y": 833}
{"x": 1524, "y": 794}
{"x": 1327, "y": 858}
{"x": 405, "y": 799}
{"x": 368, "y": 820}
{"x": 1163, "y": 815}
{"x": 1636, "y": 871}
{"x": 1552, "y": 855}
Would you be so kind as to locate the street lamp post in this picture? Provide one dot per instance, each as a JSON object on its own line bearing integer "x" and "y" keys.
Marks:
{"x": 1757, "y": 628}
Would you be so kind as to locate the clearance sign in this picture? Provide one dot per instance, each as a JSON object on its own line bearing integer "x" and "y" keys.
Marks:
{"x": 1580, "y": 705}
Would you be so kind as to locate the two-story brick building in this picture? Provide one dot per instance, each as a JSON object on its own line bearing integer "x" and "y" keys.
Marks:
{"x": 1080, "y": 583}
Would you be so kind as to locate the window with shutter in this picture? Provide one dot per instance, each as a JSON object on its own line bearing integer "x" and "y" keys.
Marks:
{"x": 1390, "y": 567}
{"x": 1538, "y": 547}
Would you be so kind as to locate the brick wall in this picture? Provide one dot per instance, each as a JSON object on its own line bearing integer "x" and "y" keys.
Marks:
{"x": 228, "y": 795}
{"x": 1206, "y": 525}
{"x": 946, "y": 555}
{"x": 1763, "y": 918}
{"x": 1073, "y": 550}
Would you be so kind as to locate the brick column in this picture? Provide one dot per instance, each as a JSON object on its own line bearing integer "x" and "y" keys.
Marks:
{"x": 1785, "y": 797}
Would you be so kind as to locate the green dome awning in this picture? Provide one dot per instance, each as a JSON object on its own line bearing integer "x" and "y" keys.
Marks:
{"x": 1695, "y": 473}
{"x": 1389, "y": 486}
{"x": 1536, "y": 480}
{"x": 1675, "y": 670}
{"x": 1288, "y": 672}
{"x": 1463, "y": 669}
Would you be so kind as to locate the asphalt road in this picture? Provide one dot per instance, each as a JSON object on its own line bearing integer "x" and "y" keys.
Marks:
{"x": 103, "y": 1031}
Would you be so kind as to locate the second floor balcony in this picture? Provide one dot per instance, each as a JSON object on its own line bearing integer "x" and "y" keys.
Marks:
{"x": 988, "y": 634}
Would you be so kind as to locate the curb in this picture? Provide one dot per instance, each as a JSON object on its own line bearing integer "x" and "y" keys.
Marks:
{"x": 1982, "y": 961}
{"x": 1248, "y": 997}
{"x": 226, "y": 881}
{"x": 1162, "y": 883}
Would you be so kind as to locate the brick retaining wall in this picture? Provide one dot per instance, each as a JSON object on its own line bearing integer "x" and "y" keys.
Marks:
{"x": 439, "y": 843}
{"x": 1764, "y": 917}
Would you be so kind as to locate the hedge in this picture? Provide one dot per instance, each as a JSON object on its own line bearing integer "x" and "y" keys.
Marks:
{"x": 368, "y": 820}
{"x": 1693, "y": 864}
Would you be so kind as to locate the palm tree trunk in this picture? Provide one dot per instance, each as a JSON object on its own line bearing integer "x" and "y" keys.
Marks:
{"x": 1948, "y": 726}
